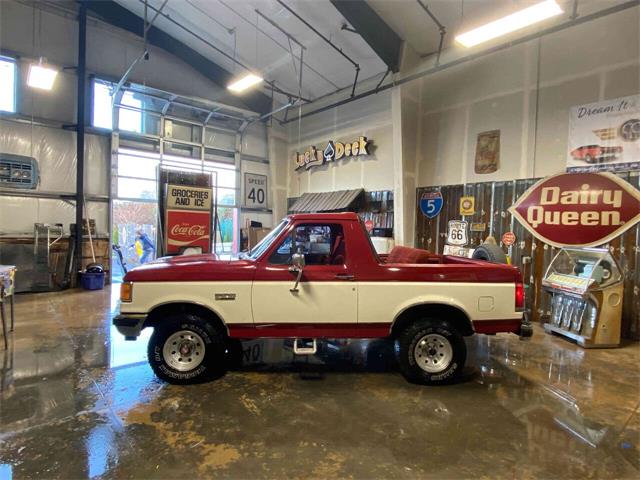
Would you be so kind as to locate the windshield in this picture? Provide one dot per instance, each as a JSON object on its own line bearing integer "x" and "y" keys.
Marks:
{"x": 264, "y": 244}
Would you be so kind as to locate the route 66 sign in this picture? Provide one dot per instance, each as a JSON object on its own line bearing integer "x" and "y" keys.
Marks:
{"x": 431, "y": 204}
{"x": 457, "y": 233}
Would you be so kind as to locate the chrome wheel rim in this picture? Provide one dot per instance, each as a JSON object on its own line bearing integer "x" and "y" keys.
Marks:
{"x": 184, "y": 350}
{"x": 433, "y": 353}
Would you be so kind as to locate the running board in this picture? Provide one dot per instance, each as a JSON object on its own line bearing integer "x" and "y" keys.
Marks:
{"x": 301, "y": 350}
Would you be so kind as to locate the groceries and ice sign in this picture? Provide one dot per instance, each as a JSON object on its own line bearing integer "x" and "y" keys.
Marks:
{"x": 578, "y": 209}
{"x": 605, "y": 136}
{"x": 188, "y": 218}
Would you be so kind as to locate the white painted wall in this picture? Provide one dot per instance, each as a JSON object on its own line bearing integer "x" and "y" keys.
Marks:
{"x": 369, "y": 117}
{"x": 591, "y": 62}
{"x": 426, "y": 130}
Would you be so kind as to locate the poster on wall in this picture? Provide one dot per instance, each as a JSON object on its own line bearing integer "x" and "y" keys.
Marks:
{"x": 605, "y": 136}
{"x": 487, "y": 152}
{"x": 188, "y": 218}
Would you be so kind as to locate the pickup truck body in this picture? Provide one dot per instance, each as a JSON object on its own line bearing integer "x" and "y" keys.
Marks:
{"x": 345, "y": 291}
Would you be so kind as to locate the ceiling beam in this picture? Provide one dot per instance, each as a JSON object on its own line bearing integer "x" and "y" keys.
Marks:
{"x": 120, "y": 17}
{"x": 373, "y": 30}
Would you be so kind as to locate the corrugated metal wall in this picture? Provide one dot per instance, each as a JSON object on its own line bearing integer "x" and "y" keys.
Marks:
{"x": 492, "y": 199}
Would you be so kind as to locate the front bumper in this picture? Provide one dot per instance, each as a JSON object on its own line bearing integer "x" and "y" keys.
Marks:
{"x": 130, "y": 324}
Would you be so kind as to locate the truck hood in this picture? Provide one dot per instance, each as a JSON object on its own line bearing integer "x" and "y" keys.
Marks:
{"x": 192, "y": 268}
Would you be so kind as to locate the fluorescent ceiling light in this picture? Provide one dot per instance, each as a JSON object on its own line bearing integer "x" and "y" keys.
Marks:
{"x": 523, "y": 18}
{"x": 41, "y": 76}
{"x": 245, "y": 82}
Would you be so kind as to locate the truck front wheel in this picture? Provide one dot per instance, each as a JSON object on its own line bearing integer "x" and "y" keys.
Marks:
{"x": 431, "y": 352}
{"x": 186, "y": 349}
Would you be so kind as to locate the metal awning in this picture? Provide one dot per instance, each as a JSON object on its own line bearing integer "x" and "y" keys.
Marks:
{"x": 342, "y": 200}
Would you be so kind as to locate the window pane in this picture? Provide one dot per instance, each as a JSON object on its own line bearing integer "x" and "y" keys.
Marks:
{"x": 130, "y": 188}
{"x": 7, "y": 85}
{"x": 226, "y": 196}
{"x": 227, "y": 238}
{"x": 320, "y": 245}
{"x": 226, "y": 178}
{"x": 130, "y": 120}
{"x": 102, "y": 111}
{"x": 218, "y": 139}
{"x": 130, "y": 166}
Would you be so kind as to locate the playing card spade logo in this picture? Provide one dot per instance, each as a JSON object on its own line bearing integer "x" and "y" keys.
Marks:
{"x": 329, "y": 152}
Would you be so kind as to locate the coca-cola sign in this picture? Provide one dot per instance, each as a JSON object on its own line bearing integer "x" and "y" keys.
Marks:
{"x": 578, "y": 209}
{"x": 188, "y": 229}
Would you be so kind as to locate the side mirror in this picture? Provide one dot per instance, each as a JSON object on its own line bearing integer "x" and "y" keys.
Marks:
{"x": 297, "y": 266}
{"x": 297, "y": 260}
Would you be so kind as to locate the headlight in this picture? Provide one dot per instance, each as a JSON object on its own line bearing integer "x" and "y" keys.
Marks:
{"x": 126, "y": 292}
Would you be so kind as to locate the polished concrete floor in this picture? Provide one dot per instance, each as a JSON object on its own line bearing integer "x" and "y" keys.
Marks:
{"x": 77, "y": 401}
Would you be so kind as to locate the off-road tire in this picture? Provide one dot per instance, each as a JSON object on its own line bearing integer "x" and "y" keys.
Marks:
{"x": 406, "y": 352}
{"x": 213, "y": 363}
{"x": 490, "y": 253}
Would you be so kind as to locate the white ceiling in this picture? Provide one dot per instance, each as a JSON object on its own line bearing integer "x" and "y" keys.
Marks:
{"x": 235, "y": 28}
{"x": 267, "y": 51}
{"x": 412, "y": 23}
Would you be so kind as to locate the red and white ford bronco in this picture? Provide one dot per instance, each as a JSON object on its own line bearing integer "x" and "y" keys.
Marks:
{"x": 318, "y": 276}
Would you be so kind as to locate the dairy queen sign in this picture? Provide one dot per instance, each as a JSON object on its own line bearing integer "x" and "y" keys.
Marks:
{"x": 581, "y": 210}
{"x": 188, "y": 218}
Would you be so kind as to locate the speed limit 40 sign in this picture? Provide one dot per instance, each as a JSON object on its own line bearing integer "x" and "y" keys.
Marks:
{"x": 255, "y": 190}
{"x": 457, "y": 234}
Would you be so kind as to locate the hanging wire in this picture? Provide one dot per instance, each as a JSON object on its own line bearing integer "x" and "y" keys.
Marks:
{"x": 537, "y": 108}
{"x": 235, "y": 49}
{"x": 257, "y": 22}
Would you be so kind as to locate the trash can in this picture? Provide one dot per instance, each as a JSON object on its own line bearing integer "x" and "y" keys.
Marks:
{"x": 92, "y": 281}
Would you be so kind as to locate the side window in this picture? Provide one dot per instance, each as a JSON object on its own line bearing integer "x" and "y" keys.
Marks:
{"x": 320, "y": 244}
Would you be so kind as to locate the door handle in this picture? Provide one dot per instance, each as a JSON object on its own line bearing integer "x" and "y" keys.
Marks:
{"x": 344, "y": 276}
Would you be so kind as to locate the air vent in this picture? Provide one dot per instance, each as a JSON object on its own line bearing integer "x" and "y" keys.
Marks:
{"x": 17, "y": 171}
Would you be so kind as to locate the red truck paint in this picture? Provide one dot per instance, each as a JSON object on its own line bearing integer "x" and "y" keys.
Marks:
{"x": 362, "y": 263}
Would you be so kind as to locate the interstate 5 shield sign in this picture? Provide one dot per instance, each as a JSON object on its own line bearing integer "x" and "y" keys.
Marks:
{"x": 431, "y": 204}
{"x": 578, "y": 209}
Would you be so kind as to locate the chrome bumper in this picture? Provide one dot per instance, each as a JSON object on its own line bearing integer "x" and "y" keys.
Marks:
{"x": 130, "y": 324}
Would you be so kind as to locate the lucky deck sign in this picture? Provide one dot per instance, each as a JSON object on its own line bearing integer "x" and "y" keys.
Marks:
{"x": 582, "y": 210}
{"x": 332, "y": 152}
{"x": 188, "y": 218}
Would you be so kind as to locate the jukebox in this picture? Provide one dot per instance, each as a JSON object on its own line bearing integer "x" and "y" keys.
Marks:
{"x": 586, "y": 286}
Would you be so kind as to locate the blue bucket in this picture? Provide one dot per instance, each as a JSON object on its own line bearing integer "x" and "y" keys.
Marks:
{"x": 92, "y": 281}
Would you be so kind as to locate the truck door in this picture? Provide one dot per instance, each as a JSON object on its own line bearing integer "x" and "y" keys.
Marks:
{"x": 327, "y": 293}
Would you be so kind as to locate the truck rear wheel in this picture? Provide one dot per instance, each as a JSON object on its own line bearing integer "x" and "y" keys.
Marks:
{"x": 431, "y": 352}
{"x": 186, "y": 349}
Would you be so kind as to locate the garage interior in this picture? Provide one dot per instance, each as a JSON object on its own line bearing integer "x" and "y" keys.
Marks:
{"x": 283, "y": 107}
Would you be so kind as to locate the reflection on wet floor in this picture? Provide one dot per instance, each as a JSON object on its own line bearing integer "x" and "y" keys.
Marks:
{"x": 78, "y": 401}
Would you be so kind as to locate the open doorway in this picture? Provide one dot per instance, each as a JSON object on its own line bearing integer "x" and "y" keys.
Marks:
{"x": 133, "y": 223}
{"x": 134, "y": 211}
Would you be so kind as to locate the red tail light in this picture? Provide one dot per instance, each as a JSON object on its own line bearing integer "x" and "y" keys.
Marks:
{"x": 519, "y": 296}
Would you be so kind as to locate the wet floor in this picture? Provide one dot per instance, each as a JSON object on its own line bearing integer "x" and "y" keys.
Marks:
{"x": 78, "y": 401}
